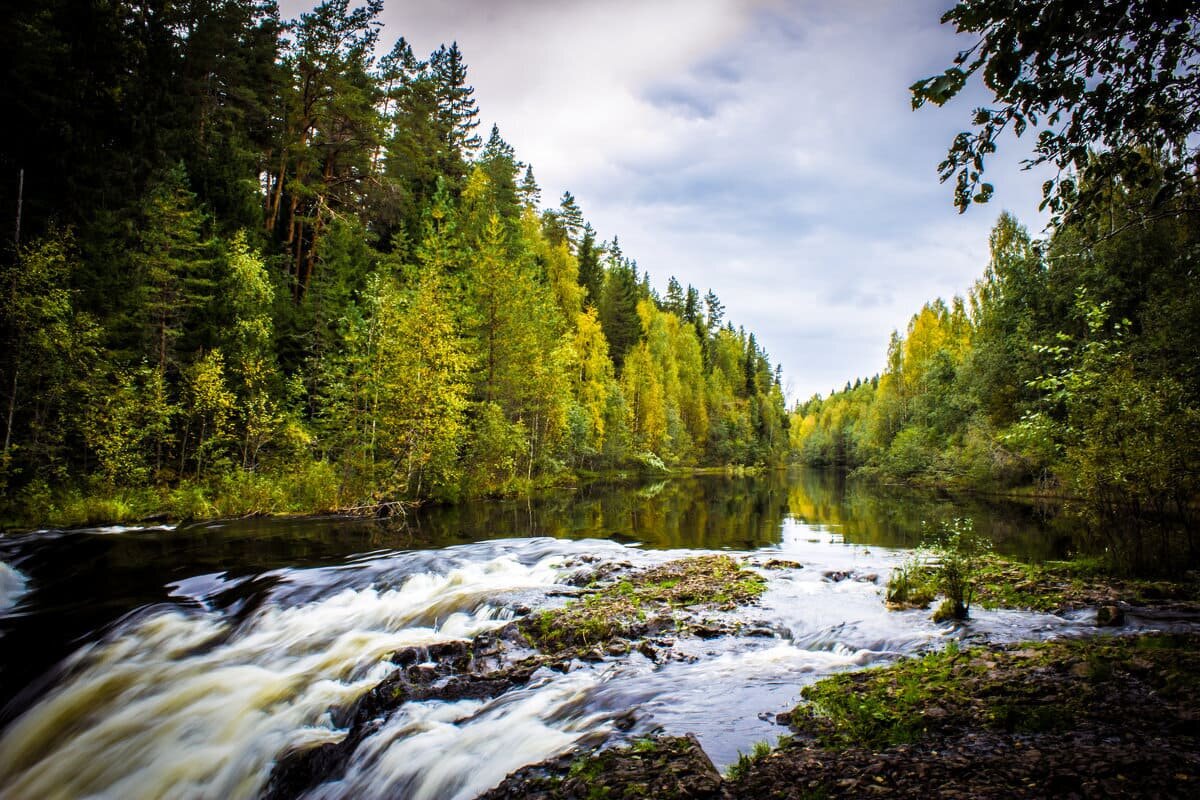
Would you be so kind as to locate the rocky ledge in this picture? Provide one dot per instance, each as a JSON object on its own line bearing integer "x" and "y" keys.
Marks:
{"x": 1101, "y": 717}
{"x": 612, "y": 609}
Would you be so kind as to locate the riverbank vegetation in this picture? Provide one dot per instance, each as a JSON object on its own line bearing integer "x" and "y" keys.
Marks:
{"x": 256, "y": 268}
{"x": 1072, "y": 367}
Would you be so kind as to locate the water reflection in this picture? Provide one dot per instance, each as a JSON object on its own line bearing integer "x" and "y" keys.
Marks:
{"x": 742, "y": 513}
{"x": 79, "y": 583}
{"x": 900, "y": 516}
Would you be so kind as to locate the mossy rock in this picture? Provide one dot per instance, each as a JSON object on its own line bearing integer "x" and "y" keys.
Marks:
{"x": 644, "y": 602}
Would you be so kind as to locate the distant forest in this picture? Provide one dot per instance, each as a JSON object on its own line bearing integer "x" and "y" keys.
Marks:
{"x": 250, "y": 266}
{"x": 1072, "y": 367}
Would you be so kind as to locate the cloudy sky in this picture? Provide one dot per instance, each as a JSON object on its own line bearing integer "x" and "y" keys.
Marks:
{"x": 764, "y": 148}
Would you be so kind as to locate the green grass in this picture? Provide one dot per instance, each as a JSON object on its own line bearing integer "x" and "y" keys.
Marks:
{"x": 741, "y": 768}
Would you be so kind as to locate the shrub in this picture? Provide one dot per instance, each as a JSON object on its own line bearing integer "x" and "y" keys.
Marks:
{"x": 958, "y": 555}
{"x": 911, "y": 584}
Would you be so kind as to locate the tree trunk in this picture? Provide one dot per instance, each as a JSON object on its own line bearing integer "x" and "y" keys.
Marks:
{"x": 298, "y": 242}
{"x": 273, "y": 205}
{"x": 12, "y": 404}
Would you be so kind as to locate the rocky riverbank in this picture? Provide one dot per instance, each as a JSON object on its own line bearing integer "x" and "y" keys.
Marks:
{"x": 1098, "y": 717}
{"x": 1104, "y": 716}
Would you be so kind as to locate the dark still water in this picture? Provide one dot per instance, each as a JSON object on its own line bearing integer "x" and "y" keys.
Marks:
{"x": 182, "y": 663}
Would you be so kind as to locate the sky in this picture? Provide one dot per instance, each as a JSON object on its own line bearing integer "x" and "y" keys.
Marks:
{"x": 766, "y": 149}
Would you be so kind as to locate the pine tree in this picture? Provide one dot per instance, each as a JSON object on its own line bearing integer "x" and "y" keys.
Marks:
{"x": 691, "y": 305}
{"x": 331, "y": 129}
{"x": 530, "y": 192}
{"x": 714, "y": 311}
{"x": 457, "y": 112}
{"x": 570, "y": 218}
{"x": 674, "y": 300}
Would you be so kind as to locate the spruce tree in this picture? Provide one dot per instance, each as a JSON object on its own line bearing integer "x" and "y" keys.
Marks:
{"x": 618, "y": 311}
{"x": 674, "y": 299}
{"x": 530, "y": 192}
{"x": 591, "y": 272}
{"x": 457, "y": 112}
{"x": 691, "y": 304}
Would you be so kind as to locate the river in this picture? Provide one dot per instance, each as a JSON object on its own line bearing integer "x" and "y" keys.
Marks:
{"x": 159, "y": 662}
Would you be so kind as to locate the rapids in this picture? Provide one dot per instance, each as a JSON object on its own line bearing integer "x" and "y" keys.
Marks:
{"x": 198, "y": 689}
{"x": 12, "y": 587}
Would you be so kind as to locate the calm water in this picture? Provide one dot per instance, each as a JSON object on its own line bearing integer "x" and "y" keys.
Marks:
{"x": 156, "y": 662}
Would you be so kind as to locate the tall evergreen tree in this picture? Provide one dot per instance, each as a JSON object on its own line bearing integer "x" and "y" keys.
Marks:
{"x": 591, "y": 271}
{"x": 531, "y": 193}
{"x": 618, "y": 311}
{"x": 457, "y": 113}
{"x": 674, "y": 300}
{"x": 570, "y": 219}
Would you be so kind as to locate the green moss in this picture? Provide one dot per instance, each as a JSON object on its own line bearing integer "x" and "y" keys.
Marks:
{"x": 1051, "y": 686}
{"x": 1012, "y": 584}
{"x": 997, "y": 582}
{"x": 626, "y": 608}
{"x": 1057, "y": 585}
{"x": 878, "y": 707}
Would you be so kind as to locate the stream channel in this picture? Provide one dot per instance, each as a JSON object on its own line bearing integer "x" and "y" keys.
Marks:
{"x": 153, "y": 662}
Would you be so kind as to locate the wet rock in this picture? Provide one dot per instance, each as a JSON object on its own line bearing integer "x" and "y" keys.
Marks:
{"x": 707, "y": 629}
{"x": 443, "y": 671}
{"x": 780, "y": 563}
{"x": 618, "y": 647}
{"x": 835, "y": 576}
{"x": 759, "y": 631}
{"x": 870, "y": 577}
{"x": 421, "y": 673}
{"x": 1110, "y": 616}
{"x": 645, "y": 603}
{"x": 668, "y": 768}
{"x": 511, "y": 634}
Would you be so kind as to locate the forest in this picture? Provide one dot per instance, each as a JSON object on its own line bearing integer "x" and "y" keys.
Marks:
{"x": 1070, "y": 369}
{"x": 252, "y": 267}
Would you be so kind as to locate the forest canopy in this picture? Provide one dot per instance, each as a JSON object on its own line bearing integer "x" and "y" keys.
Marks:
{"x": 262, "y": 267}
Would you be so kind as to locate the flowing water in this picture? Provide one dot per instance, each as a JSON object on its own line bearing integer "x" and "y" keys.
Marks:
{"x": 170, "y": 663}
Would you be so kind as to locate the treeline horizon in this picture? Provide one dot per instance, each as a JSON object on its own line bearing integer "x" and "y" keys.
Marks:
{"x": 261, "y": 269}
